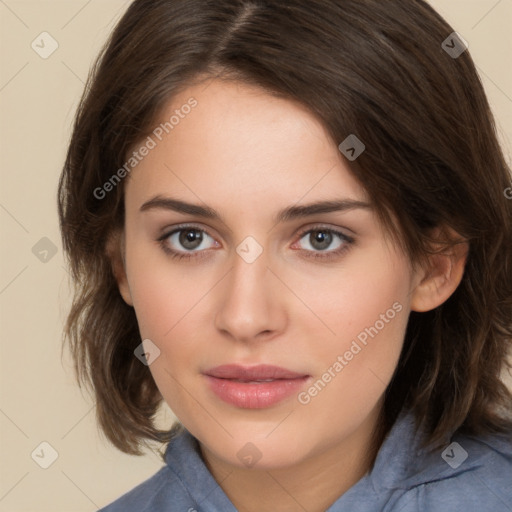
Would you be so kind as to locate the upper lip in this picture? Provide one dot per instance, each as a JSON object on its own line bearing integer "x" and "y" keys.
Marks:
{"x": 248, "y": 373}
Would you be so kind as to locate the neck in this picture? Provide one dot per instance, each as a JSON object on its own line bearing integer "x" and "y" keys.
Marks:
{"x": 312, "y": 484}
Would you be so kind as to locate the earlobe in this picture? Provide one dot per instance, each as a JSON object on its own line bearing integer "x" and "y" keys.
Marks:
{"x": 115, "y": 251}
{"x": 441, "y": 279}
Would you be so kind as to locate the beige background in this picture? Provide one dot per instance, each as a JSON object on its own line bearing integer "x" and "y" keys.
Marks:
{"x": 39, "y": 400}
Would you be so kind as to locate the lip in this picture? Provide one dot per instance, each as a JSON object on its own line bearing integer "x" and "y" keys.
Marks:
{"x": 254, "y": 387}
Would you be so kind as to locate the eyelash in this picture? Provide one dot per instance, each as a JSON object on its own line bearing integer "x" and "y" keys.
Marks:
{"x": 318, "y": 255}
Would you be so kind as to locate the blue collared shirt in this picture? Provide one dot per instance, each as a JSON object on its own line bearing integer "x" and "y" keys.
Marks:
{"x": 470, "y": 474}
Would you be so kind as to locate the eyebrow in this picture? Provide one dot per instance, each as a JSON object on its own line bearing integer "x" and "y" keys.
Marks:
{"x": 285, "y": 215}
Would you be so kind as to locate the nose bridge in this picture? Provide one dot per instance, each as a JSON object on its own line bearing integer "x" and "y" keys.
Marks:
{"x": 249, "y": 304}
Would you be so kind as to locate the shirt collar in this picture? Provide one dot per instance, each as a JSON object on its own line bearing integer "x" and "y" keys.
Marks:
{"x": 402, "y": 463}
{"x": 183, "y": 457}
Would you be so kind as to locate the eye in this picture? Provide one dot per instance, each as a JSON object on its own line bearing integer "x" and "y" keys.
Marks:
{"x": 324, "y": 242}
{"x": 183, "y": 240}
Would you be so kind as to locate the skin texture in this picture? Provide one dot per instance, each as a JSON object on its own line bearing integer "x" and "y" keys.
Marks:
{"x": 247, "y": 155}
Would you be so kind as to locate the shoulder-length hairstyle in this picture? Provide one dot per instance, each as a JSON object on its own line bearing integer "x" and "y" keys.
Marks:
{"x": 382, "y": 71}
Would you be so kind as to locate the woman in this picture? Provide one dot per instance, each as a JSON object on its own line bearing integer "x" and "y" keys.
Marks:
{"x": 288, "y": 222}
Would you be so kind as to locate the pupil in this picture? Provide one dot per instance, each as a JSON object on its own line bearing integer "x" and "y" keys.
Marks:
{"x": 191, "y": 238}
{"x": 321, "y": 240}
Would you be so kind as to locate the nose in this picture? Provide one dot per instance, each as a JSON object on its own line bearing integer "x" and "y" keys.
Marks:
{"x": 251, "y": 306}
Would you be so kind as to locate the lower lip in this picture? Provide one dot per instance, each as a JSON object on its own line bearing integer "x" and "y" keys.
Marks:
{"x": 255, "y": 395}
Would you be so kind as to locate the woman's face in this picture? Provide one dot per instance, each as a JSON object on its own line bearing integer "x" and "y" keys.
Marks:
{"x": 265, "y": 278}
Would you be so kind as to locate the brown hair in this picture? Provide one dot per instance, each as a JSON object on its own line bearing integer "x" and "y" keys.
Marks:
{"x": 365, "y": 67}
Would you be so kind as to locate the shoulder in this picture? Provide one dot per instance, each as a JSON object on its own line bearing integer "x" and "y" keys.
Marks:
{"x": 154, "y": 494}
{"x": 471, "y": 473}
{"x": 171, "y": 486}
{"x": 181, "y": 485}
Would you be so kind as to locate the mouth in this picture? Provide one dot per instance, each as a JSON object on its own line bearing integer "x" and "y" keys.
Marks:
{"x": 255, "y": 387}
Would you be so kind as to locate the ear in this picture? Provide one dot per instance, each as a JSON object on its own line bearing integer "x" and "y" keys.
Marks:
{"x": 115, "y": 249}
{"x": 444, "y": 273}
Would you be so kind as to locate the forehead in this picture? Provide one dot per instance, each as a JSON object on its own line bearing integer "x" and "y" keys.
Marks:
{"x": 227, "y": 142}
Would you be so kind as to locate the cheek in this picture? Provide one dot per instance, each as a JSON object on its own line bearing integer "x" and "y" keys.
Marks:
{"x": 163, "y": 292}
{"x": 367, "y": 299}
{"x": 164, "y": 310}
{"x": 367, "y": 308}
{"x": 167, "y": 300}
